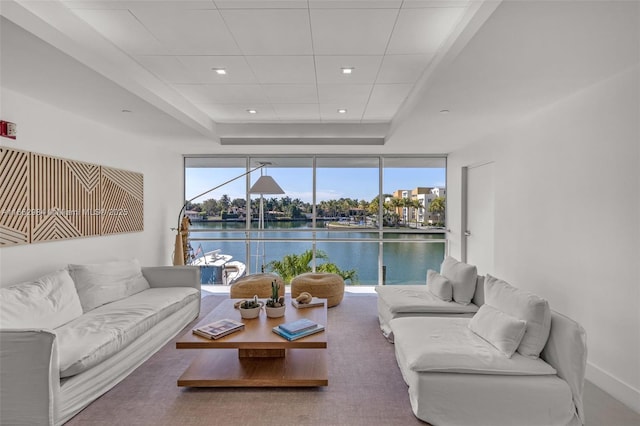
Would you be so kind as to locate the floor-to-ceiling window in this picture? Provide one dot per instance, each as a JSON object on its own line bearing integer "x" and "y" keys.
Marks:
{"x": 372, "y": 219}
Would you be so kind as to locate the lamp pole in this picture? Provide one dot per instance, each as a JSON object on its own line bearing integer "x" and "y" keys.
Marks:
{"x": 264, "y": 185}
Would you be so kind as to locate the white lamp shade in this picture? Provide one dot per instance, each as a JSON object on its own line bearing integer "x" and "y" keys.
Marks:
{"x": 265, "y": 185}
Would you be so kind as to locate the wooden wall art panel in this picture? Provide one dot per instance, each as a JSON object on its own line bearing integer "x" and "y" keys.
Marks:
{"x": 66, "y": 193}
{"x": 45, "y": 198}
{"x": 122, "y": 201}
{"x": 14, "y": 197}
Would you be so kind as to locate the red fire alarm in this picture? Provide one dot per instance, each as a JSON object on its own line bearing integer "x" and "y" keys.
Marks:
{"x": 8, "y": 129}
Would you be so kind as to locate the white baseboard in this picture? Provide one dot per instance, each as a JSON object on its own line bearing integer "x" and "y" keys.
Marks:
{"x": 615, "y": 387}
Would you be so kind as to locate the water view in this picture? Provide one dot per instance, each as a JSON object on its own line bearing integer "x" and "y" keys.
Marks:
{"x": 406, "y": 256}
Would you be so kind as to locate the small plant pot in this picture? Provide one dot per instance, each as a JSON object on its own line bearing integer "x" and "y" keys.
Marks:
{"x": 275, "y": 312}
{"x": 250, "y": 313}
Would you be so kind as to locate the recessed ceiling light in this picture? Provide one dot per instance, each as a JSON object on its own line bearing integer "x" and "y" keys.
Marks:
{"x": 220, "y": 71}
{"x": 342, "y": 111}
{"x": 252, "y": 111}
{"x": 347, "y": 70}
{"x": 444, "y": 111}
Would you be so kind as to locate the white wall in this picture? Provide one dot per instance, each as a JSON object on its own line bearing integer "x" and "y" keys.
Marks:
{"x": 567, "y": 202}
{"x": 48, "y": 130}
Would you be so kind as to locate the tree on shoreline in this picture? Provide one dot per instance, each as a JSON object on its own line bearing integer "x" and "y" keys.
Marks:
{"x": 438, "y": 206}
{"x": 342, "y": 207}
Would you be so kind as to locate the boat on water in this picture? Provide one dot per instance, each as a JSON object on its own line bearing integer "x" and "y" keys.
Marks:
{"x": 218, "y": 268}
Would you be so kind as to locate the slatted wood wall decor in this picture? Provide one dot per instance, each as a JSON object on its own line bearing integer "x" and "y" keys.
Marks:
{"x": 66, "y": 195}
{"x": 14, "y": 197}
{"x": 46, "y": 198}
{"x": 122, "y": 201}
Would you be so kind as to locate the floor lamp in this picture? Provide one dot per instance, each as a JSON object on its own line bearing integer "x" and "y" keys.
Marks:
{"x": 264, "y": 185}
{"x": 179, "y": 250}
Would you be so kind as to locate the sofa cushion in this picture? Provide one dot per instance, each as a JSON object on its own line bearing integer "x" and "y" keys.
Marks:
{"x": 104, "y": 331}
{"x": 478, "y": 296}
{"x": 48, "y": 302}
{"x": 102, "y": 283}
{"x": 448, "y": 345}
{"x": 463, "y": 279}
{"x": 418, "y": 299}
{"x": 525, "y": 306}
{"x": 439, "y": 286}
{"x": 501, "y": 330}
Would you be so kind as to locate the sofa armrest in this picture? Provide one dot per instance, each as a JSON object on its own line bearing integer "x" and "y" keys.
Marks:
{"x": 172, "y": 276}
{"x": 566, "y": 351}
{"x": 29, "y": 377}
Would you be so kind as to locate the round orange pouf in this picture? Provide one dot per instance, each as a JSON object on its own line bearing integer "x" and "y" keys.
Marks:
{"x": 256, "y": 284}
{"x": 322, "y": 285}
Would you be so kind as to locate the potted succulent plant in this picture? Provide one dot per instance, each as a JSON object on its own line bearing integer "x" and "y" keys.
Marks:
{"x": 275, "y": 304}
{"x": 250, "y": 308}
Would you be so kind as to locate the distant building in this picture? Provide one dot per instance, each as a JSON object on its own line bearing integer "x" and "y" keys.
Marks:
{"x": 426, "y": 215}
{"x": 193, "y": 215}
{"x": 425, "y": 195}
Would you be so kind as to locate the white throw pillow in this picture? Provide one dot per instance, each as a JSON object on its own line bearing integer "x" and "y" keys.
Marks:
{"x": 501, "y": 330}
{"x": 102, "y": 283}
{"x": 525, "y": 306}
{"x": 439, "y": 286}
{"x": 463, "y": 279}
{"x": 48, "y": 302}
{"x": 478, "y": 296}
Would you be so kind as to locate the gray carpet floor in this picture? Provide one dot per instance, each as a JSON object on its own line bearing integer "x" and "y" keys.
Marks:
{"x": 365, "y": 385}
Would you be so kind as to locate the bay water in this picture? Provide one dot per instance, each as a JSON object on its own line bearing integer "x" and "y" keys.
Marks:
{"x": 406, "y": 256}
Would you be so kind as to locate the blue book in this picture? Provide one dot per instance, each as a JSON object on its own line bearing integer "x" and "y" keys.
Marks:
{"x": 298, "y": 326}
{"x": 318, "y": 328}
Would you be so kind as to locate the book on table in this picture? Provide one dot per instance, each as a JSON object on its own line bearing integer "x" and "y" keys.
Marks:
{"x": 314, "y": 302}
{"x": 295, "y": 327}
{"x": 218, "y": 329}
{"x": 279, "y": 331}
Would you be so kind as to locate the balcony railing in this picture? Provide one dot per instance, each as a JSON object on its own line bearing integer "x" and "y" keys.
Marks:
{"x": 388, "y": 256}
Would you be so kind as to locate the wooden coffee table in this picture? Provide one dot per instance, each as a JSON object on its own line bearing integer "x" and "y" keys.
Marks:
{"x": 256, "y": 356}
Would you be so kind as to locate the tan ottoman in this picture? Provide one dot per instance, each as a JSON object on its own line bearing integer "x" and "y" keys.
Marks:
{"x": 322, "y": 285}
{"x": 256, "y": 284}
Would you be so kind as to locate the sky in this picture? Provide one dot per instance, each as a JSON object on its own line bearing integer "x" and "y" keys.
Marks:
{"x": 332, "y": 183}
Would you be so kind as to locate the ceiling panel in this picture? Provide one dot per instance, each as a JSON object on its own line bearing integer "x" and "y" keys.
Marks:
{"x": 414, "y": 4}
{"x": 423, "y": 30}
{"x": 402, "y": 68}
{"x": 329, "y": 111}
{"x": 123, "y": 30}
{"x": 239, "y": 114}
{"x": 139, "y": 4}
{"x": 354, "y": 4}
{"x": 223, "y": 94}
{"x": 270, "y": 31}
{"x": 283, "y": 69}
{"x": 201, "y": 68}
{"x": 351, "y": 31}
{"x": 333, "y": 93}
{"x": 168, "y": 68}
{"x": 298, "y": 112}
{"x": 329, "y": 69}
{"x": 189, "y": 32}
{"x": 261, "y": 4}
{"x": 291, "y": 93}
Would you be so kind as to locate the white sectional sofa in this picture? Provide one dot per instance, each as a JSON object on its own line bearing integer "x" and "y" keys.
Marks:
{"x": 514, "y": 362}
{"x": 397, "y": 301}
{"x": 68, "y": 337}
